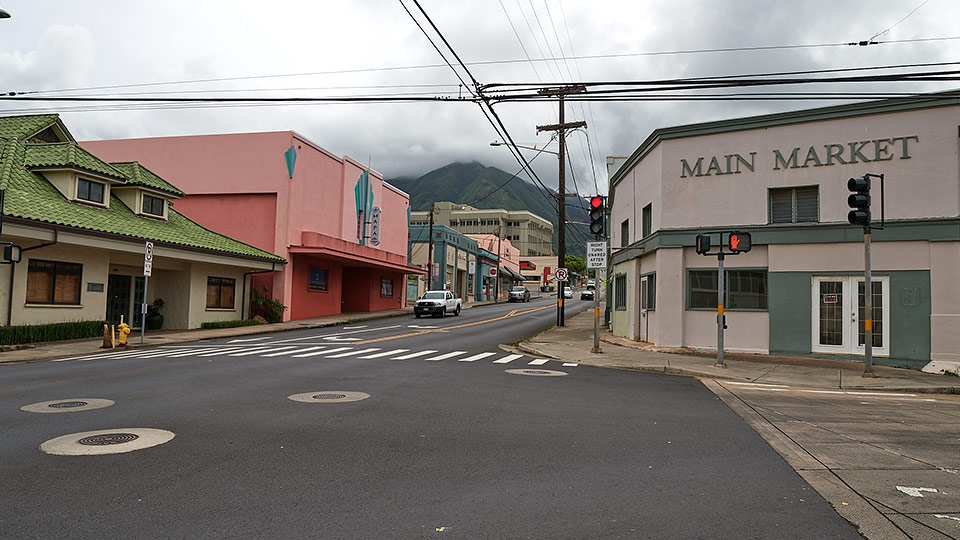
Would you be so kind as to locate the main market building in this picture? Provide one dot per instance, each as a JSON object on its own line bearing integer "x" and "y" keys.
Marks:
{"x": 783, "y": 178}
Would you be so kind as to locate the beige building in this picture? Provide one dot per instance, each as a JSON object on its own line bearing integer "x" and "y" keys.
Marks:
{"x": 530, "y": 233}
{"x": 783, "y": 178}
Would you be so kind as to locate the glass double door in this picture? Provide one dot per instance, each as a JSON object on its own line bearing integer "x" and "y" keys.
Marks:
{"x": 839, "y": 314}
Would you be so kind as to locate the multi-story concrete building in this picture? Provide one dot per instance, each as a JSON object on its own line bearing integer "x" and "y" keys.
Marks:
{"x": 783, "y": 178}
{"x": 530, "y": 233}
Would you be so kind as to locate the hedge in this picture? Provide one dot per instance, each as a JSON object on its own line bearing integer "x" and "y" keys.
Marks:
{"x": 38, "y": 333}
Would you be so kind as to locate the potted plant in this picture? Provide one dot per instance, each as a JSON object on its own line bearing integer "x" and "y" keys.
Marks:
{"x": 154, "y": 319}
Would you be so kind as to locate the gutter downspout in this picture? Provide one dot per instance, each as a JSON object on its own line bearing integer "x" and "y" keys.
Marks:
{"x": 13, "y": 267}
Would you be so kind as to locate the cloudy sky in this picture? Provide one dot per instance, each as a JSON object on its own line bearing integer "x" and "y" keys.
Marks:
{"x": 362, "y": 48}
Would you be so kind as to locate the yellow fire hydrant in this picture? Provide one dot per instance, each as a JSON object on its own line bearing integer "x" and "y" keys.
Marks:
{"x": 122, "y": 330}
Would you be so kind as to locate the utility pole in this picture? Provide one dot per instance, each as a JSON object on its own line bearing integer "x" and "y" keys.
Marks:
{"x": 430, "y": 252}
{"x": 561, "y": 188}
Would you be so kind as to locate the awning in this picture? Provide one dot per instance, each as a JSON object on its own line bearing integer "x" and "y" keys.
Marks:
{"x": 357, "y": 255}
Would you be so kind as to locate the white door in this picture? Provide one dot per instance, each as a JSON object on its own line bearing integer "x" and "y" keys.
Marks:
{"x": 644, "y": 320}
{"x": 838, "y": 315}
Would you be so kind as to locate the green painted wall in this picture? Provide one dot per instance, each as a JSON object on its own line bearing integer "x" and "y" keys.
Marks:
{"x": 790, "y": 316}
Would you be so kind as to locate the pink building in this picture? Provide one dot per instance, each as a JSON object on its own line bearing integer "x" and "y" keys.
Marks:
{"x": 282, "y": 193}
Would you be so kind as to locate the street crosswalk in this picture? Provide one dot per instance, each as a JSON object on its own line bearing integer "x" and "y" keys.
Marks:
{"x": 310, "y": 351}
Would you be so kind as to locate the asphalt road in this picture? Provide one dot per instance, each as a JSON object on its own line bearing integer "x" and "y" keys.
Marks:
{"x": 356, "y": 432}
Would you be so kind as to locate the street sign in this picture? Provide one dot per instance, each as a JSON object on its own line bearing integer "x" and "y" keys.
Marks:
{"x": 148, "y": 259}
{"x": 561, "y": 274}
{"x": 596, "y": 254}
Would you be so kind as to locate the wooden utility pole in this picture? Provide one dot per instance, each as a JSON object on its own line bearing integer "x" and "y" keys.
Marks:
{"x": 561, "y": 188}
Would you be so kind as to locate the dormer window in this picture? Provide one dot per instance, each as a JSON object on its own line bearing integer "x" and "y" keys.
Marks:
{"x": 88, "y": 190}
{"x": 153, "y": 205}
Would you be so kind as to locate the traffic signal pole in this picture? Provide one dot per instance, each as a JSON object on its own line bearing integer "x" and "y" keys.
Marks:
{"x": 721, "y": 320}
{"x": 867, "y": 308}
{"x": 859, "y": 202}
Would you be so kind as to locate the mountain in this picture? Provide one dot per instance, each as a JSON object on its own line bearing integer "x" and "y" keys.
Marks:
{"x": 488, "y": 187}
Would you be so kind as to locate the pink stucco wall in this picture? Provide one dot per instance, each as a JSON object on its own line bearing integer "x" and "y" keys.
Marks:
{"x": 238, "y": 184}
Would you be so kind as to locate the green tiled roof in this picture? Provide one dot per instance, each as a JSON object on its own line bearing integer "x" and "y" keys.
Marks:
{"x": 29, "y": 196}
{"x": 67, "y": 154}
{"x": 138, "y": 175}
{"x": 23, "y": 127}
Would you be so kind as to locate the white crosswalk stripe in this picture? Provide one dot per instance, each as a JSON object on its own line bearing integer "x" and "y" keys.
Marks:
{"x": 480, "y": 356}
{"x": 445, "y": 356}
{"x": 324, "y": 352}
{"x": 358, "y": 351}
{"x": 267, "y": 350}
{"x": 412, "y": 355}
{"x": 383, "y": 354}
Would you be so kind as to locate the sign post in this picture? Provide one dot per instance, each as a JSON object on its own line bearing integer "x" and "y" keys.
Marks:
{"x": 737, "y": 242}
{"x": 561, "y": 275}
{"x": 147, "y": 271}
{"x": 596, "y": 259}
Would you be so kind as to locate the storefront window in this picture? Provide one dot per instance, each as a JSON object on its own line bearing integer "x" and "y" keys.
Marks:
{"x": 746, "y": 289}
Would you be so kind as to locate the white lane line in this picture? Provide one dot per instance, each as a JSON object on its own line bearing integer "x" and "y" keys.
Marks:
{"x": 364, "y": 330}
{"x": 318, "y": 353}
{"x": 877, "y": 394}
{"x": 268, "y": 349}
{"x": 570, "y": 364}
{"x": 180, "y": 353}
{"x": 248, "y": 352}
{"x": 412, "y": 355}
{"x": 221, "y": 351}
{"x": 121, "y": 354}
{"x": 353, "y": 352}
{"x": 508, "y": 359}
{"x": 295, "y": 350}
{"x": 387, "y": 353}
{"x": 445, "y": 356}
{"x": 476, "y": 357}
{"x": 538, "y": 362}
{"x": 244, "y": 340}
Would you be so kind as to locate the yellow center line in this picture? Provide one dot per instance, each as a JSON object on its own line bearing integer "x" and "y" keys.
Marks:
{"x": 454, "y": 327}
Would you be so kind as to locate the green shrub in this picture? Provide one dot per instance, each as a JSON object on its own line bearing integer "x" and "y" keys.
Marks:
{"x": 230, "y": 324}
{"x": 38, "y": 333}
{"x": 270, "y": 308}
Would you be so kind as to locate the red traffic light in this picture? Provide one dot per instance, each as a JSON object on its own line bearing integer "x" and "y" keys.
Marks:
{"x": 596, "y": 202}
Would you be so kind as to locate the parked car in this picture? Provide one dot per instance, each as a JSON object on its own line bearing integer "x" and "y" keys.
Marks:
{"x": 519, "y": 294}
{"x": 587, "y": 294}
{"x": 437, "y": 303}
{"x": 567, "y": 292}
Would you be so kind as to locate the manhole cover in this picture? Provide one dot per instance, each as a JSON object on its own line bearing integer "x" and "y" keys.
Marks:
{"x": 108, "y": 439}
{"x": 537, "y": 372}
{"x": 331, "y": 396}
{"x": 67, "y": 405}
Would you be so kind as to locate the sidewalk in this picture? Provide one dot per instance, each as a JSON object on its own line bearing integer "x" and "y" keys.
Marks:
{"x": 573, "y": 343}
{"x": 570, "y": 343}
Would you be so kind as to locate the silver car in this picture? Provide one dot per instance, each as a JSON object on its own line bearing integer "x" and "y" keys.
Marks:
{"x": 519, "y": 294}
{"x": 567, "y": 292}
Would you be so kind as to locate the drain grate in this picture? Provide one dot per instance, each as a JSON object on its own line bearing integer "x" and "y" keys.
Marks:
{"x": 67, "y": 404}
{"x": 108, "y": 439}
{"x": 537, "y": 372}
{"x": 329, "y": 396}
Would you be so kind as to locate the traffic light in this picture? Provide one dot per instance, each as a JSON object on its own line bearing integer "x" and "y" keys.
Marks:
{"x": 739, "y": 242}
{"x": 596, "y": 216}
{"x": 859, "y": 201}
{"x": 703, "y": 244}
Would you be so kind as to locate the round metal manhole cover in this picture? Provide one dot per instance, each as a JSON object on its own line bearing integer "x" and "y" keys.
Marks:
{"x": 537, "y": 372}
{"x": 106, "y": 441}
{"x": 67, "y": 405}
{"x": 108, "y": 438}
{"x": 329, "y": 396}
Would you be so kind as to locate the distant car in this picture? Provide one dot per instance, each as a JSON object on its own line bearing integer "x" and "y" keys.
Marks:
{"x": 591, "y": 284}
{"x": 588, "y": 294}
{"x": 519, "y": 294}
{"x": 567, "y": 292}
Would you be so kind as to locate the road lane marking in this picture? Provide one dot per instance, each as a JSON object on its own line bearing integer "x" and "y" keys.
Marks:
{"x": 318, "y": 353}
{"x": 413, "y": 355}
{"x": 386, "y": 353}
{"x": 445, "y": 356}
{"x": 508, "y": 359}
{"x": 295, "y": 350}
{"x": 538, "y": 362}
{"x": 454, "y": 327}
{"x": 570, "y": 364}
{"x": 476, "y": 357}
{"x": 353, "y": 352}
{"x": 221, "y": 351}
{"x": 256, "y": 351}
